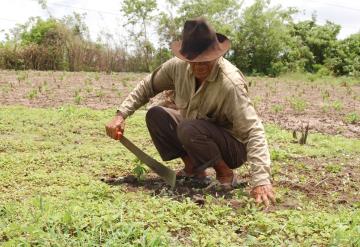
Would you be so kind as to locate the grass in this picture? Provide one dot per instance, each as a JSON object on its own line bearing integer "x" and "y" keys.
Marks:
{"x": 51, "y": 162}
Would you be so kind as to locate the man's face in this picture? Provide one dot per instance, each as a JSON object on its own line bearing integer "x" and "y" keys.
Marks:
{"x": 202, "y": 70}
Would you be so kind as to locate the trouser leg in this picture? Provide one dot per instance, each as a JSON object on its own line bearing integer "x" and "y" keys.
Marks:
{"x": 207, "y": 144}
{"x": 204, "y": 142}
{"x": 162, "y": 124}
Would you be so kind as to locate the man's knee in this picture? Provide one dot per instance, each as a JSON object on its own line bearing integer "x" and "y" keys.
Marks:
{"x": 187, "y": 131}
{"x": 154, "y": 114}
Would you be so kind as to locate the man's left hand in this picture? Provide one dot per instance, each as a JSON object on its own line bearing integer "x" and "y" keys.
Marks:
{"x": 263, "y": 193}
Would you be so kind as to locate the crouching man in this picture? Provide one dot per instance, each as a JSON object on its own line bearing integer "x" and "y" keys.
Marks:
{"x": 215, "y": 124}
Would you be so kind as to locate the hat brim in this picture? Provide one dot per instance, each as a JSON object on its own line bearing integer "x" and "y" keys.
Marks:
{"x": 209, "y": 54}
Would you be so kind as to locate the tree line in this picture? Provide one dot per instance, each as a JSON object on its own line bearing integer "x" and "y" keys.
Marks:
{"x": 265, "y": 40}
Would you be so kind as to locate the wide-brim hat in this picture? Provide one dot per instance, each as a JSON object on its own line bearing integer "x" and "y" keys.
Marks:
{"x": 200, "y": 43}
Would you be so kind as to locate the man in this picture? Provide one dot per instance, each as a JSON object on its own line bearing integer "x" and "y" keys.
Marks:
{"x": 215, "y": 124}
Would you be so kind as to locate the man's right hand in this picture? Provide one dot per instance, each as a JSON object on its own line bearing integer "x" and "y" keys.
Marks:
{"x": 115, "y": 128}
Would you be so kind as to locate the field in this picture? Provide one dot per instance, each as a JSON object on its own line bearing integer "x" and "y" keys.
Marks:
{"x": 64, "y": 183}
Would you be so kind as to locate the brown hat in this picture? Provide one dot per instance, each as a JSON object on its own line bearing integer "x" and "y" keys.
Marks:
{"x": 200, "y": 43}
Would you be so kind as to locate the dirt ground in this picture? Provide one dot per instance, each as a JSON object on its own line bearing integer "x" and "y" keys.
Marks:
{"x": 332, "y": 108}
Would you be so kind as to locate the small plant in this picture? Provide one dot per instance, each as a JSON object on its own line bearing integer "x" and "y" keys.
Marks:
{"x": 78, "y": 99}
{"x": 88, "y": 81}
{"x": 298, "y": 104}
{"x": 40, "y": 88}
{"x": 349, "y": 91}
{"x": 97, "y": 77}
{"x": 100, "y": 94}
{"x": 21, "y": 77}
{"x": 325, "y": 95}
{"x": 124, "y": 83}
{"x": 32, "y": 94}
{"x": 6, "y": 88}
{"x": 140, "y": 170}
{"x": 352, "y": 118}
{"x": 277, "y": 108}
{"x": 325, "y": 108}
{"x": 113, "y": 87}
{"x": 333, "y": 168}
{"x": 337, "y": 105}
{"x": 312, "y": 77}
{"x": 278, "y": 154}
{"x": 88, "y": 89}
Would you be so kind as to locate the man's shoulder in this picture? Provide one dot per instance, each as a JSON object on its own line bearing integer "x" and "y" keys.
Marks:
{"x": 174, "y": 66}
{"x": 231, "y": 76}
{"x": 175, "y": 62}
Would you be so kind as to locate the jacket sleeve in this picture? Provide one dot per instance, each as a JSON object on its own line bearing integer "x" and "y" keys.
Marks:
{"x": 159, "y": 80}
{"x": 248, "y": 129}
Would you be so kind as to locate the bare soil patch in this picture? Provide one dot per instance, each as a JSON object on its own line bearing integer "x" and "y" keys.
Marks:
{"x": 293, "y": 104}
{"x": 289, "y": 103}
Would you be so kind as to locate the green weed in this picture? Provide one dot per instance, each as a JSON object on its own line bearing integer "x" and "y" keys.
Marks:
{"x": 352, "y": 118}
{"x": 100, "y": 94}
{"x": 32, "y": 94}
{"x": 337, "y": 105}
{"x": 52, "y": 159}
{"x": 276, "y": 108}
{"x": 139, "y": 170}
{"x": 78, "y": 98}
{"x": 297, "y": 104}
{"x": 97, "y": 77}
{"x": 334, "y": 168}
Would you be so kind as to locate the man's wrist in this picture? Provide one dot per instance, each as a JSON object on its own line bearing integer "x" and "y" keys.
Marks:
{"x": 259, "y": 182}
{"x": 119, "y": 113}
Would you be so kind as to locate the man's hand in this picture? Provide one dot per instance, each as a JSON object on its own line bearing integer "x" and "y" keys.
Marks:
{"x": 263, "y": 193}
{"x": 115, "y": 128}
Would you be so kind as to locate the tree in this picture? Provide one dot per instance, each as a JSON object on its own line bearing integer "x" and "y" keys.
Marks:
{"x": 319, "y": 40}
{"x": 343, "y": 58}
{"x": 139, "y": 14}
{"x": 262, "y": 38}
{"x": 222, "y": 14}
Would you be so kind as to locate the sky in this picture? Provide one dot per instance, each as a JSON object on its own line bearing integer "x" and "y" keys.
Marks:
{"x": 105, "y": 16}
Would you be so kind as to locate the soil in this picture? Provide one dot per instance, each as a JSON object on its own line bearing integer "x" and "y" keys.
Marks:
{"x": 314, "y": 182}
{"x": 291, "y": 104}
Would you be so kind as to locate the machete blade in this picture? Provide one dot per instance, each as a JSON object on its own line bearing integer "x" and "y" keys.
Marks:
{"x": 168, "y": 175}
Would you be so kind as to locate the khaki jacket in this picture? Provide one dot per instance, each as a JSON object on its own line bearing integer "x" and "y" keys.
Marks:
{"x": 222, "y": 99}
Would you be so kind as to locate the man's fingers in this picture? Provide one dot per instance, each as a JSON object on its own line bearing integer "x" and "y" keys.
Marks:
{"x": 271, "y": 196}
{"x": 257, "y": 198}
{"x": 265, "y": 200}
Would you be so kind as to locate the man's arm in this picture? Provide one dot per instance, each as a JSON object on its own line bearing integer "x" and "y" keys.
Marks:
{"x": 248, "y": 128}
{"x": 159, "y": 80}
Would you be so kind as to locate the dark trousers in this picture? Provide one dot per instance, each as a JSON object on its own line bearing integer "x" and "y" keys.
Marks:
{"x": 204, "y": 142}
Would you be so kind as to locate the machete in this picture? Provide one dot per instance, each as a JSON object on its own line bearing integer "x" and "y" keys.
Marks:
{"x": 164, "y": 172}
